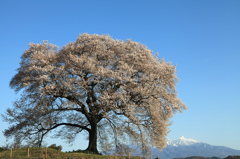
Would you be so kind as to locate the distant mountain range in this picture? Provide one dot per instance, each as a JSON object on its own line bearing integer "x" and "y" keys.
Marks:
{"x": 183, "y": 148}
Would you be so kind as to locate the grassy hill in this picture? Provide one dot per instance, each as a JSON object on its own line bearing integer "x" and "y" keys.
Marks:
{"x": 52, "y": 154}
{"x": 200, "y": 157}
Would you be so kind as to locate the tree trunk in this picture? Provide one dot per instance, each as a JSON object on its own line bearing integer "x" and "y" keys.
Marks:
{"x": 92, "y": 145}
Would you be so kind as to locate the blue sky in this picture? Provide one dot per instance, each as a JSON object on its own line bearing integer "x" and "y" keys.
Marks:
{"x": 201, "y": 37}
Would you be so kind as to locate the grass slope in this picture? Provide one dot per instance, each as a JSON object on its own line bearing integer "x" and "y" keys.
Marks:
{"x": 52, "y": 154}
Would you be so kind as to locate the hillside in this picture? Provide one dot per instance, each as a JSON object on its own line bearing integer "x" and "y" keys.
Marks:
{"x": 200, "y": 157}
{"x": 52, "y": 154}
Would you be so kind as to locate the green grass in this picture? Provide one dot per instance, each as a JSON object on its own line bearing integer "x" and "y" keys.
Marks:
{"x": 53, "y": 154}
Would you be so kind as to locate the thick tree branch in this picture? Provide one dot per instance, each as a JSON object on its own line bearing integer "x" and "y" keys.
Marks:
{"x": 66, "y": 124}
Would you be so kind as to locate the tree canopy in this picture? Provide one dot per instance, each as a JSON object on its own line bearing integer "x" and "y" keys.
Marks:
{"x": 113, "y": 90}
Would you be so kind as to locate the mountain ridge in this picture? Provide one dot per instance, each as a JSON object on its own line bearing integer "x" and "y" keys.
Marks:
{"x": 183, "y": 147}
{"x": 182, "y": 141}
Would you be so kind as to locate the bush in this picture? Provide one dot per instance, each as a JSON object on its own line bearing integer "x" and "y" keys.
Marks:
{"x": 54, "y": 146}
{"x": 1, "y": 149}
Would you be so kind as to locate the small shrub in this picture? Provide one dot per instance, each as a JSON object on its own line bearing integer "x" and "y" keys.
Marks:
{"x": 54, "y": 146}
{"x": 1, "y": 149}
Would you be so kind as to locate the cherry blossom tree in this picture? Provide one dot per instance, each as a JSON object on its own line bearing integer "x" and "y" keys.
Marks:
{"x": 113, "y": 91}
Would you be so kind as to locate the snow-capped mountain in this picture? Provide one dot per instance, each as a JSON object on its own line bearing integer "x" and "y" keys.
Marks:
{"x": 184, "y": 147}
{"x": 182, "y": 141}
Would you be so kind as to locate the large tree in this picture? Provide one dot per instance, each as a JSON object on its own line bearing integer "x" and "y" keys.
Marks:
{"x": 111, "y": 89}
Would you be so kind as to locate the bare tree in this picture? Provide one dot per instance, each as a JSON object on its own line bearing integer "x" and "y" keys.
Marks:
{"x": 111, "y": 89}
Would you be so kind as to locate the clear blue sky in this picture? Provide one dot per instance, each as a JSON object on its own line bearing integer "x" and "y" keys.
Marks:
{"x": 202, "y": 37}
